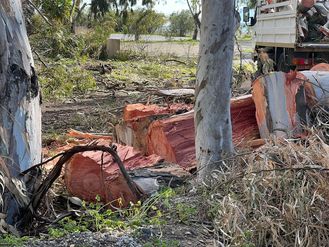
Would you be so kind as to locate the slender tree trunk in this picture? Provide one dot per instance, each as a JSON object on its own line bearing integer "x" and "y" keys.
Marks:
{"x": 213, "y": 91}
{"x": 20, "y": 114}
{"x": 196, "y": 19}
{"x": 195, "y": 33}
{"x": 137, "y": 36}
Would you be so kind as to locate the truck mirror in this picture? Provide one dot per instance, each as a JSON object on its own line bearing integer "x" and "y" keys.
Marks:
{"x": 246, "y": 14}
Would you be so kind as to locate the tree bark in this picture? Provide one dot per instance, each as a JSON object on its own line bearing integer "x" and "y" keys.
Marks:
{"x": 20, "y": 114}
{"x": 213, "y": 90}
{"x": 195, "y": 33}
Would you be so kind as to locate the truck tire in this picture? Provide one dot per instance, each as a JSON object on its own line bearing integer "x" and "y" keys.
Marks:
{"x": 283, "y": 64}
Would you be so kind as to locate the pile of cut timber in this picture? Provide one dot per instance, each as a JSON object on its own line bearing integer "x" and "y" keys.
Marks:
{"x": 172, "y": 137}
{"x": 151, "y": 133}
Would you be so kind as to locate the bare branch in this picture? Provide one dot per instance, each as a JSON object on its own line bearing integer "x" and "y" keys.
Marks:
{"x": 42, "y": 15}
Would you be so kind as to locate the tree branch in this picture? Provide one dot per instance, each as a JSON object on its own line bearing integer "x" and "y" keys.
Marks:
{"x": 42, "y": 15}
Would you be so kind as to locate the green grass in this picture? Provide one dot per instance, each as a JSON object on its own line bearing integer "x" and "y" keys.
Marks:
{"x": 155, "y": 72}
{"x": 97, "y": 217}
{"x": 248, "y": 50}
{"x": 11, "y": 240}
{"x": 162, "y": 243}
{"x": 64, "y": 78}
{"x": 245, "y": 37}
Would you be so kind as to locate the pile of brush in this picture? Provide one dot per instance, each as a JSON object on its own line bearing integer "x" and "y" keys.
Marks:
{"x": 277, "y": 195}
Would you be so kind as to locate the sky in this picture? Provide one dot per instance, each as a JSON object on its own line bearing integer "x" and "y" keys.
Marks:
{"x": 166, "y": 6}
{"x": 169, "y": 6}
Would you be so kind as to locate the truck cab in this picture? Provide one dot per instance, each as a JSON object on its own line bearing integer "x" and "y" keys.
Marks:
{"x": 294, "y": 33}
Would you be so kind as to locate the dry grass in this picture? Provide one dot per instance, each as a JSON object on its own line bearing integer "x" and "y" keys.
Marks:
{"x": 276, "y": 196}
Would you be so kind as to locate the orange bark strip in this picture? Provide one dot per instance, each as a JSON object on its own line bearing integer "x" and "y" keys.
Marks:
{"x": 82, "y": 135}
{"x": 89, "y": 174}
{"x": 293, "y": 84}
{"x": 261, "y": 106}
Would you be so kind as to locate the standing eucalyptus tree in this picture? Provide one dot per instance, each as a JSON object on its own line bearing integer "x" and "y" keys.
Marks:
{"x": 20, "y": 114}
{"x": 213, "y": 87}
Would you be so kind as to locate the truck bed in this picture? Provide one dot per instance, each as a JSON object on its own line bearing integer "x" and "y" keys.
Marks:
{"x": 277, "y": 27}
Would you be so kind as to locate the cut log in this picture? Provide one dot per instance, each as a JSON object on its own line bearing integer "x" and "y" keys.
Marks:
{"x": 124, "y": 134}
{"x": 244, "y": 122}
{"x": 92, "y": 174}
{"x": 134, "y": 133}
{"x": 173, "y": 138}
{"x": 138, "y": 117}
{"x": 283, "y": 100}
{"x": 134, "y": 112}
{"x": 280, "y": 104}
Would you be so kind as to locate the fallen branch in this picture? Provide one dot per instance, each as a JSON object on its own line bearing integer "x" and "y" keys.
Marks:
{"x": 39, "y": 57}
{"x": 175, "y": 60}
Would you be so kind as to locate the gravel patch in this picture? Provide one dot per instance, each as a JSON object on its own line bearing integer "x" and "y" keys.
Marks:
{"x": 86, "y": 239}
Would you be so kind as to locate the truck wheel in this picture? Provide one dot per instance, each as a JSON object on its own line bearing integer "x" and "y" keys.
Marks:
{"x": 283, "y": 64}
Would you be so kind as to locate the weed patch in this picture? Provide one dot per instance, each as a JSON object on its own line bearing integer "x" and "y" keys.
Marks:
{"x": 97, "y": 217}
{"x": 65, "y": 78}
{"x": 11, "y": 240}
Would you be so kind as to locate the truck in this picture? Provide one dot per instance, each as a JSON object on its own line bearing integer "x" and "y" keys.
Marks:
{"x": 288, "y": 32}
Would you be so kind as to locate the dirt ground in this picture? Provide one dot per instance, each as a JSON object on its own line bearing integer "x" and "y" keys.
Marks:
{"x": 97, "y": 112}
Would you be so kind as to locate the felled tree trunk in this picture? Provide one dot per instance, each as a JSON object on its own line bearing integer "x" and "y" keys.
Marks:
{"x": 20, "y": 114}
{"x": 213, "y": 91}
{"x": 173, "y": 138}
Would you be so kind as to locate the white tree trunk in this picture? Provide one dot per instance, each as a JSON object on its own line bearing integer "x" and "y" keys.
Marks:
{"x": 213, "y": 87}
{"x": 20, "y": 114}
